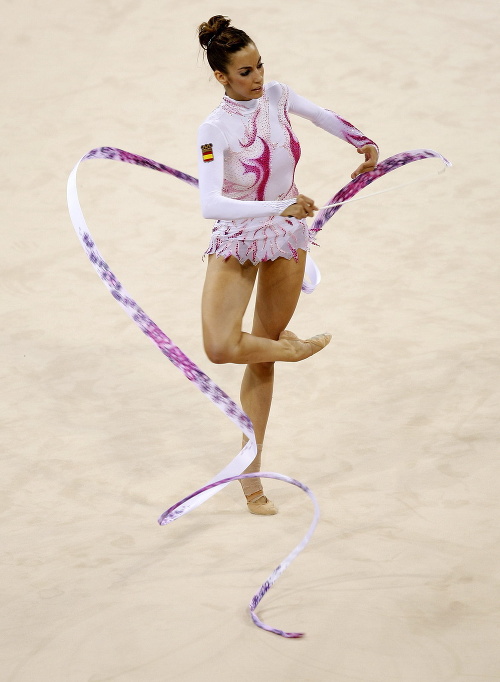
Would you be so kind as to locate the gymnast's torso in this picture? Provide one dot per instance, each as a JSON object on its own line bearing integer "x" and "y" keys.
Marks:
{"x": 248, "y": 153}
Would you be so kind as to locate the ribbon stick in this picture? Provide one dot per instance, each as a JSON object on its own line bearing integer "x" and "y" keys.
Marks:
{"x": 233, "y": 471}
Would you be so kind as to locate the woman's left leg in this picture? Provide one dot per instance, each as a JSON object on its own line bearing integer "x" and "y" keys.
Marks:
{"x": 278, "y": 291}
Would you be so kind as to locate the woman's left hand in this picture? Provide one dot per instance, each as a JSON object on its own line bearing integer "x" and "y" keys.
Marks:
{"x": 371, "y": 158}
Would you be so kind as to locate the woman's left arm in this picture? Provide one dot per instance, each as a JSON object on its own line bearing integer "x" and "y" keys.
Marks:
{"x": 336, "y": 125}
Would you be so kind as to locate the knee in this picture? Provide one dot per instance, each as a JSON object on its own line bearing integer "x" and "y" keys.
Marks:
{"x": 218, "y": 353}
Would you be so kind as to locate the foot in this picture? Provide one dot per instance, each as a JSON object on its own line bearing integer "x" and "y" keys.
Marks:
{"x": 300, "y": 350}
{"x": 258, "y": 503}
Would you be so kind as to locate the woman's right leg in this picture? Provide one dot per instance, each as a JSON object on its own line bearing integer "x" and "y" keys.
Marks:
{"x": 227, "y": 291}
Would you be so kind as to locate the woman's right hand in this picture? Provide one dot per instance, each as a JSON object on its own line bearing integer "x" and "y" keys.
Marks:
{"x": 302, "y": 208}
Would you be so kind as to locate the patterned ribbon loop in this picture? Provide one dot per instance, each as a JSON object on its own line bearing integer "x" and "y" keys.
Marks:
{"x": 233, "y": 471}
{"x": 349, "y": 191}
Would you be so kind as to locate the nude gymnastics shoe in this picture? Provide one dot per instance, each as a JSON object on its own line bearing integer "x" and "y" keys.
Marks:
{"x": 304, "y": 349}
{"x": 258, "y": 503}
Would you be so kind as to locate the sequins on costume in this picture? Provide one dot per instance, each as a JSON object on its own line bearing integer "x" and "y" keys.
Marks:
{"x": 250, "y": 178}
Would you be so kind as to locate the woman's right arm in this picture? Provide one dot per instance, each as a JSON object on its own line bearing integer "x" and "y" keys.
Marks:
{"x": 211, "y": 147}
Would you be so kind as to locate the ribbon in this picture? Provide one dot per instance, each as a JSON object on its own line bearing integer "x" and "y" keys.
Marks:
{"x": 233, "y": 471}
{"x": 346, "y": 194}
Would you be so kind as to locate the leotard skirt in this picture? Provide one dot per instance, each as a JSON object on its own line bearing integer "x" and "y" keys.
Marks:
{"x": 259, "y": 239}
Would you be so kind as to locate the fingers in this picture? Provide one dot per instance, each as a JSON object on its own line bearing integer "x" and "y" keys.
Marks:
{"x": 364, "y": 168}
{"x": 307, "y": 205}
{"x": 303, "y": 207}
{"x": 306, "y": 200}
{"x": 371, "y": 158}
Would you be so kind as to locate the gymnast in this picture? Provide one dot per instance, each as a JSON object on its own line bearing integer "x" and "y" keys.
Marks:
{"x": 247, "y": 158}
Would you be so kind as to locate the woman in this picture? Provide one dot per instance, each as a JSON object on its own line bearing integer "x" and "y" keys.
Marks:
{"x": 247, "y": 158}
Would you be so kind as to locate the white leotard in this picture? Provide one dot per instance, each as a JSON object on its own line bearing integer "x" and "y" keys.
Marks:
{"x": 255, "y": 152}
{"x": 247, "y": 158}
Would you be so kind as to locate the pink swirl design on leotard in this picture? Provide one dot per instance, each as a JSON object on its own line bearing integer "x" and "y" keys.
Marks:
{"x": 293, "y": 143}
{"x": 261, "y": 168}
{"x": 355, "y": 138}
{"x": 233, "y": 471}
{"x": 251, "y": 129}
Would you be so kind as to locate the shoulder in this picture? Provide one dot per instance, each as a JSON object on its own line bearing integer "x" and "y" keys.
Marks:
{"x": 274, "y": 89}
{"x": 210, "y": 131}
{"x": 278, "y": 95}
{"x": 213, "y": 118}
{"x": 275, "y": 86}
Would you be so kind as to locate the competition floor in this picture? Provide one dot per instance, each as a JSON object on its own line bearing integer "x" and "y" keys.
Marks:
{"x": 394, "y": 425}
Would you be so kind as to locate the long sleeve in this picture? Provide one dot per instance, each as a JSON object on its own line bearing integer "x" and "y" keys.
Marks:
{"x": 327, "y": 120}
{"x": 211, "y": 147}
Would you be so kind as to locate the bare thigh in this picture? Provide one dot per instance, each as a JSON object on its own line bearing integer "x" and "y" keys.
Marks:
{"x": 278, "y": 292}
{"x": 226, "y": 293}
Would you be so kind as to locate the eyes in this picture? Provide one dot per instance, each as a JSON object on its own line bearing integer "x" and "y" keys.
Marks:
{"x": 248, "y": 71}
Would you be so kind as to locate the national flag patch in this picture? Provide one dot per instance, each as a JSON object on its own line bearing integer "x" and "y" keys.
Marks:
{"x": 207, "y": 152}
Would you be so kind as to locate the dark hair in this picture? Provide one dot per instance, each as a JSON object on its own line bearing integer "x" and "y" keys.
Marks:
{"x": 220, "y": 40}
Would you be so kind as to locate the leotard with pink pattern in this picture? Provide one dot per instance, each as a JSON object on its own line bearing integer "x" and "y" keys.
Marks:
{"x": 248, "y": 153}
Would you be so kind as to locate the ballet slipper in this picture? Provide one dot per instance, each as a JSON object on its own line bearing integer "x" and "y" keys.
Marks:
{"x": 304, "y": 349}
{"x": 258, "y": 503}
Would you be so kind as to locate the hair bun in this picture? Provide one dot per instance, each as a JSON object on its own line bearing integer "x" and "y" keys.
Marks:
{"x": 215, "y": 26}
{"x": 220, "y": 41}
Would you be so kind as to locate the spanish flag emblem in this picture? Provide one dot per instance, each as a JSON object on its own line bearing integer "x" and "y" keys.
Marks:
{"x": 207, "y": 152}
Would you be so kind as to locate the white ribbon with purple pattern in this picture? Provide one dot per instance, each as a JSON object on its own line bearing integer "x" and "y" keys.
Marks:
{"x": 233, "y": 471}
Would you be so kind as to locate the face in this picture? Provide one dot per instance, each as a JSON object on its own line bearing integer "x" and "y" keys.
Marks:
{"x": 245, "y": 75}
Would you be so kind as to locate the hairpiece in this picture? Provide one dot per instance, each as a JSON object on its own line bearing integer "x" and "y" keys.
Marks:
{"x": 215, "y": 35}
